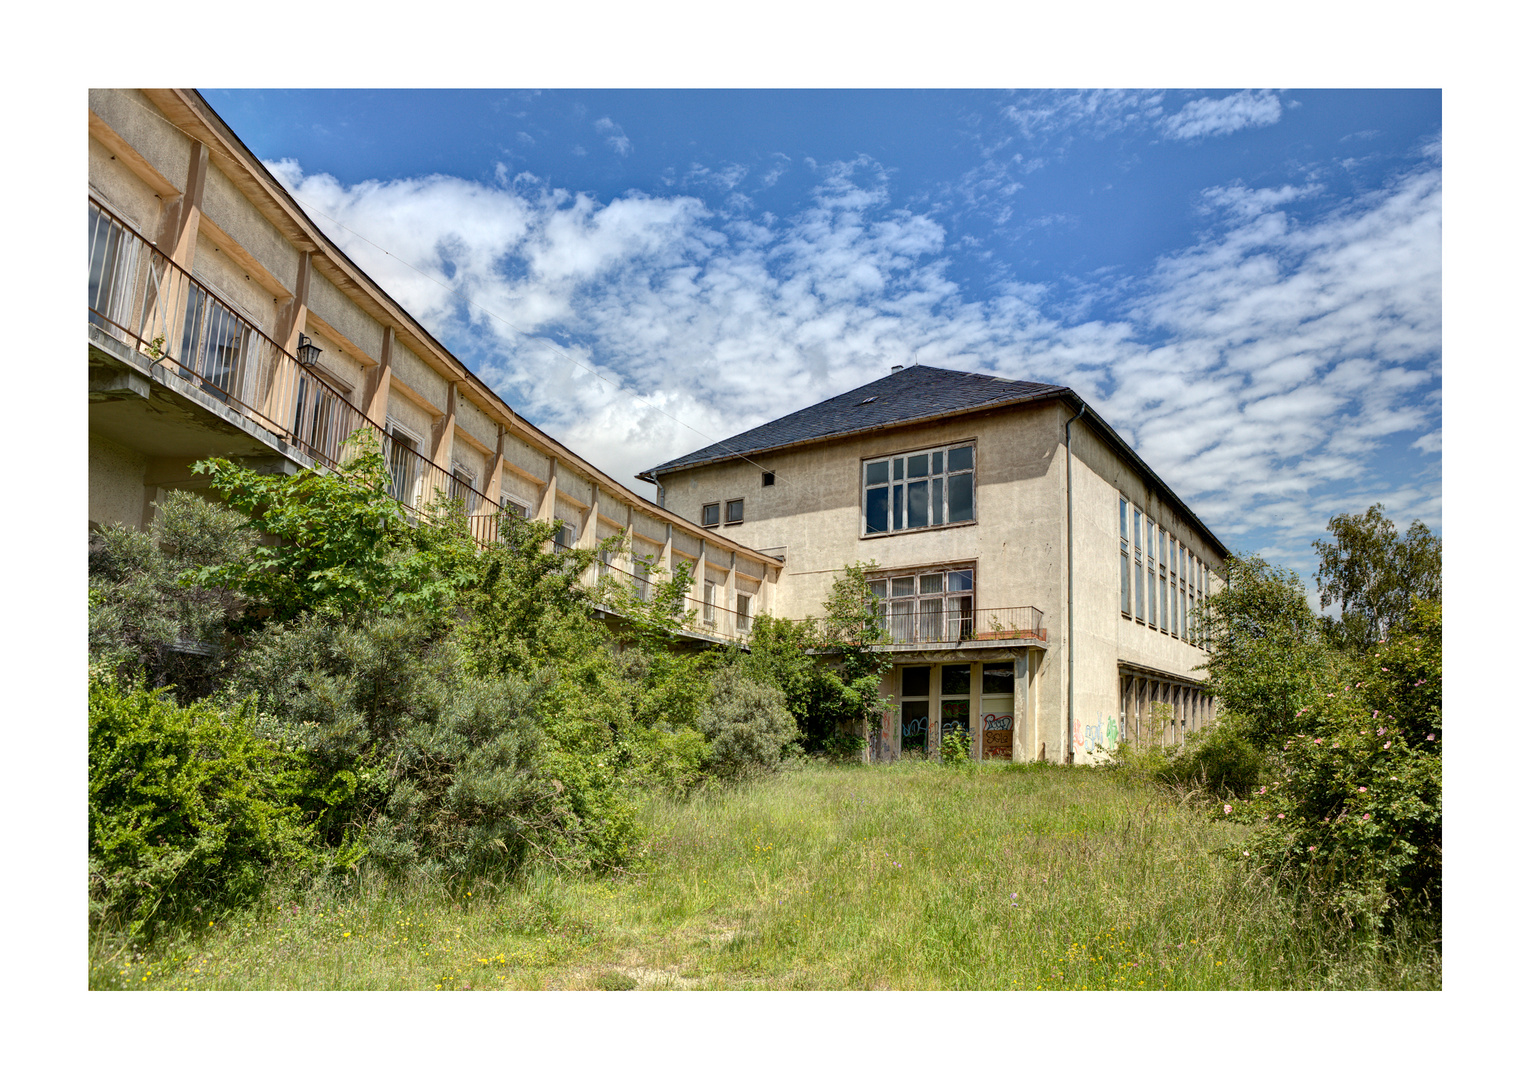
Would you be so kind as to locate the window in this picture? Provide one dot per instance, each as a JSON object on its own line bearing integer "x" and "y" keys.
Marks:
{"x": 1153, "y": 610}
{"x": 709, "y": 596}
{"x": 1174, "y": 588}
{"x": 1164, "y": 593}
{"x": 742, "y": 612}
{"x": 925, "y": 605}
{"x": 403, "y": 464}
{"x": 735, "y": 511}
{"x": 513, "y": 508}
{"x": 113, "y": 260}
{"x": 314, "y": 424}
{"x": 1126, "y": 564}
{"x": 710, "y": 514}
{"x": 767, "y": 479}
{"x": 213, "y": 341}
{"x": 564, "y": 537}
{"x": 1137, "y": 560}
{"x": 462, "y": 488}
{"x": 918, "y": 491}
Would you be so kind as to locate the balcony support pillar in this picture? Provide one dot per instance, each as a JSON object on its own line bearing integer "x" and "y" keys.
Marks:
{"x": 443, "y": 432}
{"x": 379, "y": 383}
{"x": 182, "y": 215}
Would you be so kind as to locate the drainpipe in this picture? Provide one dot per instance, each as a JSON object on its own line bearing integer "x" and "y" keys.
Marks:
{"x": 1068, "y": 448}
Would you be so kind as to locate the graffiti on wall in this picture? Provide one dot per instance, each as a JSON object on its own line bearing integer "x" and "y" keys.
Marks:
{"x": 998, "y": 735}
{"x": 1101, "y": 735}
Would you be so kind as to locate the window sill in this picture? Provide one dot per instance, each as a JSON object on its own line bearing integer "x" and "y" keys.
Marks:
{"x": 916, "y": 532}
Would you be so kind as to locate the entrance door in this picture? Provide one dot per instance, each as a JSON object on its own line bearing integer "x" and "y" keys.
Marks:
{"x": 998, "y": 705}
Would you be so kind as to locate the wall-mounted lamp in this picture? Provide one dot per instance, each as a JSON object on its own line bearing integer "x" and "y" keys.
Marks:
{"x": 308, "y": 352}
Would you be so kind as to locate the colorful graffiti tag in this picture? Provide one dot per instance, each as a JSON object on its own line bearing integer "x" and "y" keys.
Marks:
{"x": 998, "y": 735}
{"x": 1101, "y": 735}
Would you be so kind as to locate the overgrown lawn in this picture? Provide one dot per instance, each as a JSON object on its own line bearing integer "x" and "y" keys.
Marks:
{"x": 910, "y": 876}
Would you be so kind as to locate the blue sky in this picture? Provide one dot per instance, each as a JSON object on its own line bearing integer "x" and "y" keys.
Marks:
{"x": 1247, "y": 284}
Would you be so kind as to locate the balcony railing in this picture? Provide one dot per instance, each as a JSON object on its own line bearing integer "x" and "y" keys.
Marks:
{"x": 151, "y": 304}
{"x": 955, "y": 626}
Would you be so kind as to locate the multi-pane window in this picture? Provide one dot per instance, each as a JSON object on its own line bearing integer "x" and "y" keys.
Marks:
{"x": 918, "y": 491}
{"x": 403, "y": 464}
{"x": 1126, "y": 564}
{"x": 735, "y": 511}
{"x": 1184, "y": 566}
{"x": 513, "y": 508}
{"x": 463, "y": 488}
{"x": 1174, "y": 591}
{"x": 1153, "y": 588}
{"x": 930, "y": 605}
{"x": 1137, "y": 560}
{"x": 1164, "y": 591}
{"x": 709, "y": 598}
{"x": 742, "y": 612}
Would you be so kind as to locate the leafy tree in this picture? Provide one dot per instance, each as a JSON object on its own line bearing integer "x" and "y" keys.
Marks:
{"x": 338, "y": 543}
{"x": 1265, "y": 651}
{"x": 1373, "y": 576}
{"x": 747, "y": 726}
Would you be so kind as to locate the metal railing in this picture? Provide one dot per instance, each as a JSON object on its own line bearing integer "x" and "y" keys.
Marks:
{"x": 951, "y": 626}
{"x": 147, "y": 301}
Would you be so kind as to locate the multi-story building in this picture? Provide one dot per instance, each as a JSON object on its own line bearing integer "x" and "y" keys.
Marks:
{"x": 222, "y": 322}
{"x": 1037, "y": 581}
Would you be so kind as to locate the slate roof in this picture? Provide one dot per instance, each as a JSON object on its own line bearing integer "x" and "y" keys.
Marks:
{"x": 915, "y": 393}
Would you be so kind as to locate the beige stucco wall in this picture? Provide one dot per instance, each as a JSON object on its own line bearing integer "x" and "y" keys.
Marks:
{"x": 225, "y": 205}
{"x": 141, "y": 125}
{"x": 116, "y": 483}
{"x": 1019, "y": 544}
{"x": 123, "y": 191}
{"x": 336, "y": 308}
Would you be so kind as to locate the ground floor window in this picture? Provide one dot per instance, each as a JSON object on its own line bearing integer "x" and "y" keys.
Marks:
{"x": 936, "y": 700}
{"x": 1161, "y": 710}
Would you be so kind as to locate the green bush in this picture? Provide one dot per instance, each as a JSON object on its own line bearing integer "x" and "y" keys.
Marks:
{"x": 1218, "y": 760}
{"x": 430, "y": 767}
{"x": 1353, "y": 816}
{"x": 145, "y": 616}
{"x": 187, "y": 806}
{"x": 747, "y": 726}
{"x": 956, "y": 747}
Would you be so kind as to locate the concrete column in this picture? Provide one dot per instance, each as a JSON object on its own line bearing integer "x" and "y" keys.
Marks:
{"x": 668, "y": 553}
{"x": 380, "y": 383}
{"x": 547, "y": 505}
{"x": 1018, "y": 729}
{"x": 443, "y": 432}
{"x": 493, "y": 481}
{"x": 975, "y": 711}
{"x": 182, "y": 217}
{"x": 730, "y": 585}
{"x": 293, "y": 319}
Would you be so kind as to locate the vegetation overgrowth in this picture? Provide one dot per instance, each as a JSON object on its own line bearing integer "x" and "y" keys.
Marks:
{"x": 909, "y": 876}
{"x": 302, "y": 697}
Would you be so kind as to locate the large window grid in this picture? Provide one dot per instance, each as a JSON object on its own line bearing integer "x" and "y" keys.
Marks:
{"x": 1166, "y": 597}
{"x": 918, "y": 491}
{"x": 925, "y": 605}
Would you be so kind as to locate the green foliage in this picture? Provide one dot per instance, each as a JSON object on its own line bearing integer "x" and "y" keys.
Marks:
{"x": 341, "y": 545}
{"x": 747, "y": 726}
{"x": 187, "y": 807}
{"x": 144, "y": 615}
{"x": 1373, "y": 577}
{"x": 956, "y": 747}
{"x": 1217, "y": 760}
{"x": 1266, "y": 654}
{"x": 429, "y": 766}
{"x": 1354, "y": 816}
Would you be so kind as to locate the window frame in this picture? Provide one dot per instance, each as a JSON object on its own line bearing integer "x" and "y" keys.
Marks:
{"x": 896, "y": 487}
{"x": 918, "y": 622}
{"x": 717, "y": 514}
{"x": 728, "y": 512}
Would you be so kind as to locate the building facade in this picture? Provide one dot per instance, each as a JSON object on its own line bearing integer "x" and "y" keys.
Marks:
{"x": 222, "y": 322}
{"x": 1036, "y": 581}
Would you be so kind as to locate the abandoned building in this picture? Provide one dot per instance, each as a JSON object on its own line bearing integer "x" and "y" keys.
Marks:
{"x": 1036, "y": 581}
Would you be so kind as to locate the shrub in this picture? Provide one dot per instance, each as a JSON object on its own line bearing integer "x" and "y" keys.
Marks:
{"x": 1219, "y": 760}
{"x": 432, "y": 768}
{"x": 747, "y": 726}
{"x": 144, "y": 615}
{"x": 1353, "y": 816}
{"x": 186, "y": 806}
{"x": 956, "y": 747}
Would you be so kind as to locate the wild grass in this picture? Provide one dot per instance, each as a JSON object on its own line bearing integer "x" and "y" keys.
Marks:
{"x": 911, "y": 876}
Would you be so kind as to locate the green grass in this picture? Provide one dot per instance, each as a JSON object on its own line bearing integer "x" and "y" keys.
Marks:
{"x": 911, "y": 876}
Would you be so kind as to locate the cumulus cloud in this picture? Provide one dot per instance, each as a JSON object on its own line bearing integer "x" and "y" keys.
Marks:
{"x": 1223, "y": 116}
{"x": 1261, "y": 370}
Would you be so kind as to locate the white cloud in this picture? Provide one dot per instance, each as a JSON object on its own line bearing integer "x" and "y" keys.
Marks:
{"x": 1225, "y": 115}
{"x": 615, "y": 138}
{"x": 1259, "y": 371}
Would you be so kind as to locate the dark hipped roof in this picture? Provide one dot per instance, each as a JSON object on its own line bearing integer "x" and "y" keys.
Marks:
{"x": 915, "y": 393}
{"x": 907, "y": 396}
